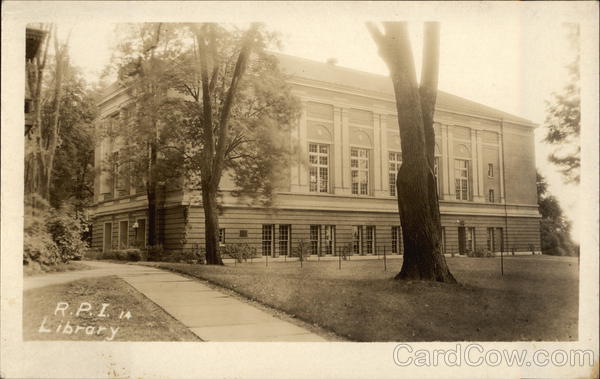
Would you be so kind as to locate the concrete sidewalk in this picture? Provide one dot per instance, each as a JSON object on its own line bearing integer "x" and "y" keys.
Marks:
{"x": 210, "y": 314}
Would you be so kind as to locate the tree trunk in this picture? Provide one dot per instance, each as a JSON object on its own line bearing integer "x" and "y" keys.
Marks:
{"x": 211, "y": 225}
{"x": 417, "y": 195}
{"x": 151, "y": 194}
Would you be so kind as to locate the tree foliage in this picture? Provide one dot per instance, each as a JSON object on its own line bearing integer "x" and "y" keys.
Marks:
{"x": 555, "y": 228}
{"x": 564, "y": 118}
{"x": 209, "y": 100}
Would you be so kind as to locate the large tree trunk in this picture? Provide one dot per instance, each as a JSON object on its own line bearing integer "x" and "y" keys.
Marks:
{"x": 152, "y": 197}
{"x": 211, "y": 225}
{"x": 416, "y": 187}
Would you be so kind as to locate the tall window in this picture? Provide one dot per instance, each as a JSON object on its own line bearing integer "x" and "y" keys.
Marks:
{"x": 359, "y": 165}
{"x": 395, "y": 240}
{"x": 461, "y": 179}
{"x": 315, "y": 239}
{"x": 490, "y": 170}
{"x": 329, "y": 239}
{"x": 123, "y": 234}
{"x": 140, "y": 233}
{"x": 470, "y": 239}
{"x": 357, "y": 239}
{"x": 318, "y": 159}
{"x": 267, "y": 239}
{"x": 370, "y": 240}
{"x": 490, "y": 239}
{"x": 491, "y": 196}
{"x": 221, "y": 236}
{"x": 395, "y": 160}
{"x": 494, "y": 239}
{"x": 284, "y": 239}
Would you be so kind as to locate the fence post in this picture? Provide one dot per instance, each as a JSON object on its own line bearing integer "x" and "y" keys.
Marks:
{"x": 267, "y": 260}
{"x": 384, "y": 260}
{"x": 339, "y": 260}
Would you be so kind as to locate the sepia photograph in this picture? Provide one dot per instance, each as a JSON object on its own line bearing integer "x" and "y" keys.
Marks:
{"x": 299, "y": 189}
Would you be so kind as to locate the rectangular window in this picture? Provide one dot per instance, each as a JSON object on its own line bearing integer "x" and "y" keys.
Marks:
{"x": 370, "y": 242}
{"x": 357, "y": 240}
{"x": 470, "y": 239}
{"x": 123, "y": 234}
{"x": 396, "y": 240}
{"x": 328, "y": 239}
{"x": 498, "y": 239}
{"x": 491, "y": 196}
{"x": 221, "y": 236}
{"x": 318, "y": 159}
{"x": 315, "y": 231}
{"x": 267, "y": 239}
{"x": 461, "y": 179}
{"x": 490, "y": 170}
{"x": 359, "y": 166}
{"x": 140, "y": 233}
{"x": 490, "y": 239}
{"x": 395, "y": 160}
{"x": 284, "y": 239}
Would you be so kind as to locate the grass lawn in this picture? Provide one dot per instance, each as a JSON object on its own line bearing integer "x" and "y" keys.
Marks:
{"x": 147, "y": 322}
{"x": 536, "y": 299}
{"x": 31, "y": 270}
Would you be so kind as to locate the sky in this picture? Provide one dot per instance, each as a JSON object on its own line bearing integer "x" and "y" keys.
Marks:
{"x": 505, "y": 57}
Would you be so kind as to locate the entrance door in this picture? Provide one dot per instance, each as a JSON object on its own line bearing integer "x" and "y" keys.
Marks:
{"x": 107, "y": 237}
{"x": 462, "y": 240}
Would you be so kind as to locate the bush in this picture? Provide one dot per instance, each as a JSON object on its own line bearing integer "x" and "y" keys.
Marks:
{"x": 51, "y": 236}
{"x": 480, "y": 253}
{"x": 184, "y": 256}
{"x": 66, "y": 230}
{"x": 239, "y": 251}
{"x": 301, "y": 251}
{"x": 155, "y": 253}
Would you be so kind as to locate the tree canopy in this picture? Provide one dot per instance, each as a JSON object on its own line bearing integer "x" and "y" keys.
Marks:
{"x": 564, "y": 117}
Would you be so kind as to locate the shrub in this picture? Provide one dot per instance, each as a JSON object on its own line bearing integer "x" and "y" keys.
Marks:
{"x": 134, "y": 255}
{"x": 184, "y": 256}
{"x": 66, "y": 230}
{"x": 92, "y": 253}
{"x": 239, "y": 251}
{"x": 480, "y": 253}
{"x": 301, "y": 251}
{"x": 51, "y": 235}
{"x": 38, "y": 246}
{"x": 155, "y": 253}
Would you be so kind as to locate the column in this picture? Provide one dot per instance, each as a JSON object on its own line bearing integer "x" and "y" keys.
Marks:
{"x": 445, "y": 166}
{"x": 336, "y": 164}
{"x": 345, "y": 164}
{"x": 451, "y": 189}
{"x": 479, "y": 140}
{"x": 301, "y": 183}
{"x": 475, "y": 169}
{"x": 501, "y": 165}
{"x": 376, "y": 154}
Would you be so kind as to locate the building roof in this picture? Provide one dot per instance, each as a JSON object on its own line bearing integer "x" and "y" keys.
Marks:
{"x": 330, "y": 73}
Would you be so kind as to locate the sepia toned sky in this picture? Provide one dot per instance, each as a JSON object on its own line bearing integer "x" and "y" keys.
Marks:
{"x": 506, "y": 57}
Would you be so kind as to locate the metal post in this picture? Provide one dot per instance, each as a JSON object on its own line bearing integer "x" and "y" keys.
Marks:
{"x": 339, "y": 261}
{"x": 384, "y": 260}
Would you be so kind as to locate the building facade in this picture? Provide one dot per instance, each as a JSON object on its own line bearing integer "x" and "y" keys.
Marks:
{"x": 344, "y": 196}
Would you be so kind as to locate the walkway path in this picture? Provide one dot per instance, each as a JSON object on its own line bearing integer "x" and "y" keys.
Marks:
{"x": 210, "y": 314}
